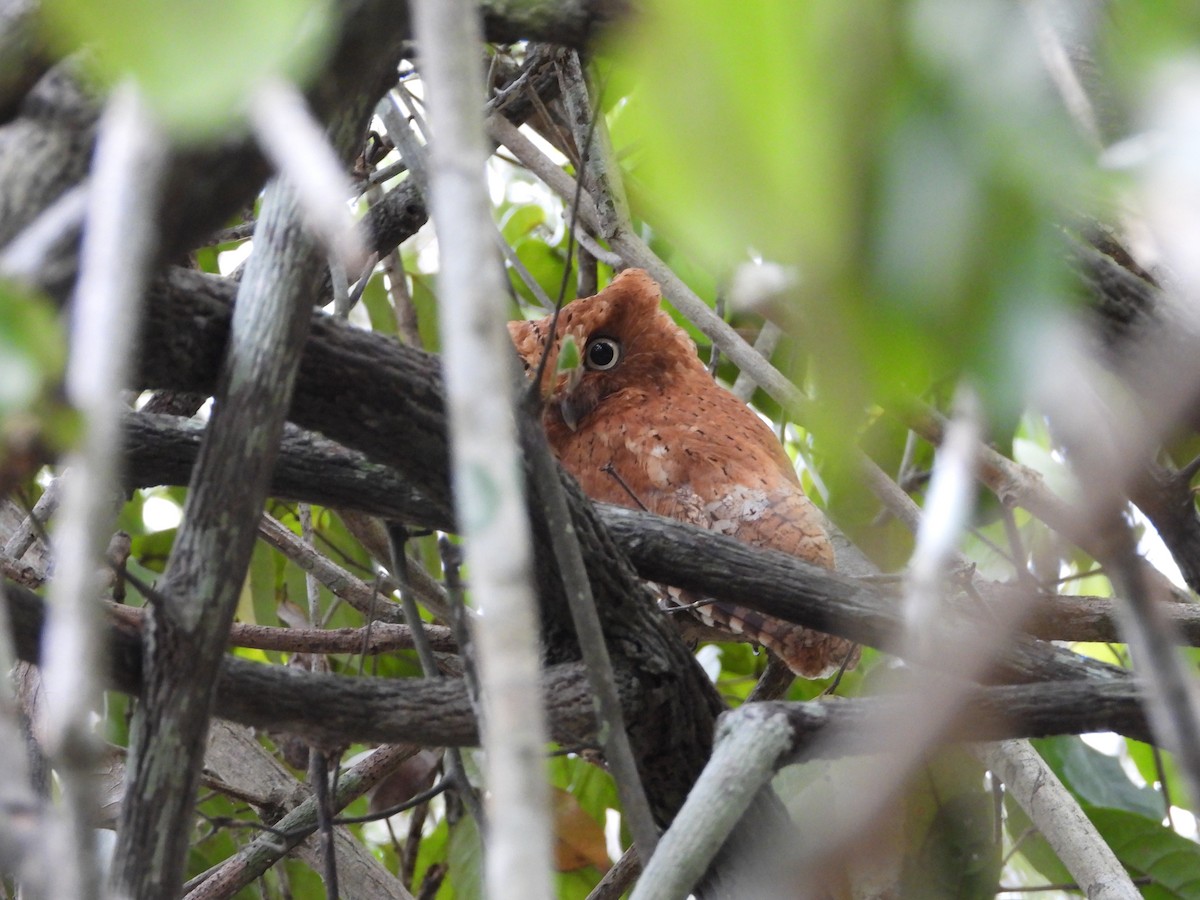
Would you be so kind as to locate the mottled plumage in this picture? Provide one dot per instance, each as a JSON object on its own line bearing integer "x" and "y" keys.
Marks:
{"x": 641, "y": 423}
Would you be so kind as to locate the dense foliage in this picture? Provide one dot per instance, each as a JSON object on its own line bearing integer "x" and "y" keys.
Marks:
{"x": 917, "y": 212}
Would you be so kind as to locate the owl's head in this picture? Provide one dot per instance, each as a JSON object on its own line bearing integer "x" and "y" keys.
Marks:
{"x": 624, "y": 340}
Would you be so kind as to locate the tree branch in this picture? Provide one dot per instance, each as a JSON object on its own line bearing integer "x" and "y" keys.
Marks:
{"x": 349, "y": 378}
{"x": 116, "y": 266}
{"x": 46, "y": 149}
{"x": 1059, "y": 818}
{"x": 437, "y": 712}
{"x": 211, "y": 553}
{"x": 489, "y": 494}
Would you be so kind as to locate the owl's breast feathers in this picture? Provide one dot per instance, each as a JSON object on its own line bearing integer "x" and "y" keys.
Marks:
{"x": 649, "y": 428}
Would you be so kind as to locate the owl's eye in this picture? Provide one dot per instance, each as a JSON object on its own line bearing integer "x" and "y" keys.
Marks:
{"x": 602, "y": 354}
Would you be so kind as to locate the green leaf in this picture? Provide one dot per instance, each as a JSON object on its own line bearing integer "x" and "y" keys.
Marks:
{"x": 1143, "y": 756}
{"x": 568, "y": 355}
{"x": 593, "y": 787}
{"x": 1148, "y": 33}
{"x": 302, "y": 881}
{"x": 32, "y": 347}
{"x": 944, "y": 823}
{"x": 257, "y": 604}
{"x": 425, "y": 302}
{"x": 949, "y": 824}
{"x": 1097, "y": 778}
{"x": 207, "y": 260}
{"x": 545, "y": 264}
{"x": 464, "y": 855}
{"x": 379, "y": 308}
{"x": 907, "y": 170}
{"x": 772, "y": 129}
{"x": 1146, "y": 847}
{"x": 196, "y": 60}
{"x": 520, "y": 222}
{"x": 1031, "y": 844}
{"x": 432, "y": 851}
{"x": 577, "y": 885}
{"x": 957, "y": 857}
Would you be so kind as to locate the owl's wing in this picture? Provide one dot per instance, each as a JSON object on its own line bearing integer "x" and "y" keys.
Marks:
{"x": 783, "y": 520}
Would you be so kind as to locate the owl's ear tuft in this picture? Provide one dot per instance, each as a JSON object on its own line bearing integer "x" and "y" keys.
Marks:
{"x": 635, "y": 288}
{"x": 527, "y": 340}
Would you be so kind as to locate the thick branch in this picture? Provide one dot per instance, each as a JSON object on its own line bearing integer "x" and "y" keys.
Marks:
{"x": 437, "y": 712}
{"x": 397, "y": 391}
{"x": 160, "y": 450}
{"x": 384, "y": 399}
{"x": 198, "y": 597}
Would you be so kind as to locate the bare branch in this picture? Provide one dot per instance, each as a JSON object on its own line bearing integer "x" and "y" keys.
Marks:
{"x": 379, "y": 637}
{"x": 258, "y": 856}
{"x": 212, "y": 550}
{"x": 367, "y": 599}
{"x": 488, "y": 488}
{"x": 1057, "y": 815}
{"x": 117, "y": 254}
{"x": 236, "y": 757}
{"x": 438, "y": 711}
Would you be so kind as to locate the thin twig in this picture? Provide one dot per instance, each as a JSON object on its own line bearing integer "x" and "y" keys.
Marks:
{"x": 414, "y": 801}
{"x": 255, "y": 858}
{"x": 318, "y": 771}
{"x": 455, "y": 770}
{"x": 617, "y": 749}
{"x": 33, "y": 528}
{"x": 339, "y": 581}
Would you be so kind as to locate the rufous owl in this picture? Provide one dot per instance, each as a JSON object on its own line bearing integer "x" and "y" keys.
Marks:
{"x": 640, "y": 423}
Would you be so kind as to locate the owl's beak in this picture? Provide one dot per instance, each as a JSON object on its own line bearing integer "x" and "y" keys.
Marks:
{"x": 571, "y": 414}
{"x": 568, "y": 407}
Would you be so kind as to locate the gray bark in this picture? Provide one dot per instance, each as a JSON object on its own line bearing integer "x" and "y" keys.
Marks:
{"x": 437, "y": 712}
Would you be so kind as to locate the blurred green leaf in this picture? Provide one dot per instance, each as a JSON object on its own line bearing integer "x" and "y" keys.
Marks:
{"x": 746, "y": 96}
{"x": 545, "y": 264}
{"x": 592, "y": 786}
{"x": 1030, "y": 843}
{"x": 949, "y": 831}
{"x": 207, "y": 260}
{"x": 425, "y": 303}
{"x": 302, "y": 881}
{"x": 378, "y": 305}
{"x": 117, "y": 716}
{"x": 958, "y": 857}
{"x": 1147, "y": 760}
{"x": 909, "y": 158}
{"x": 577, "y": 885}
{"x": 519, "y": 222}
{"x": 257, "y": 604}
{"x": 432, "y": 851}
{"x": 211, "y": 846}
{"x": 196, "y": 61}
{"x": 32, "y": 347}
{"x": 464, "y": 855}
{"x": 1146, "y": 35}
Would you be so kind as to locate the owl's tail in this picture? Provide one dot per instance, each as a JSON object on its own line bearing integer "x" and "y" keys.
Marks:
{"x": 808, "y": 653}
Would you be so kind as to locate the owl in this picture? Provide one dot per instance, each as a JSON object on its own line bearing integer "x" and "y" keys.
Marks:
{"x": 640, "y": 423}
